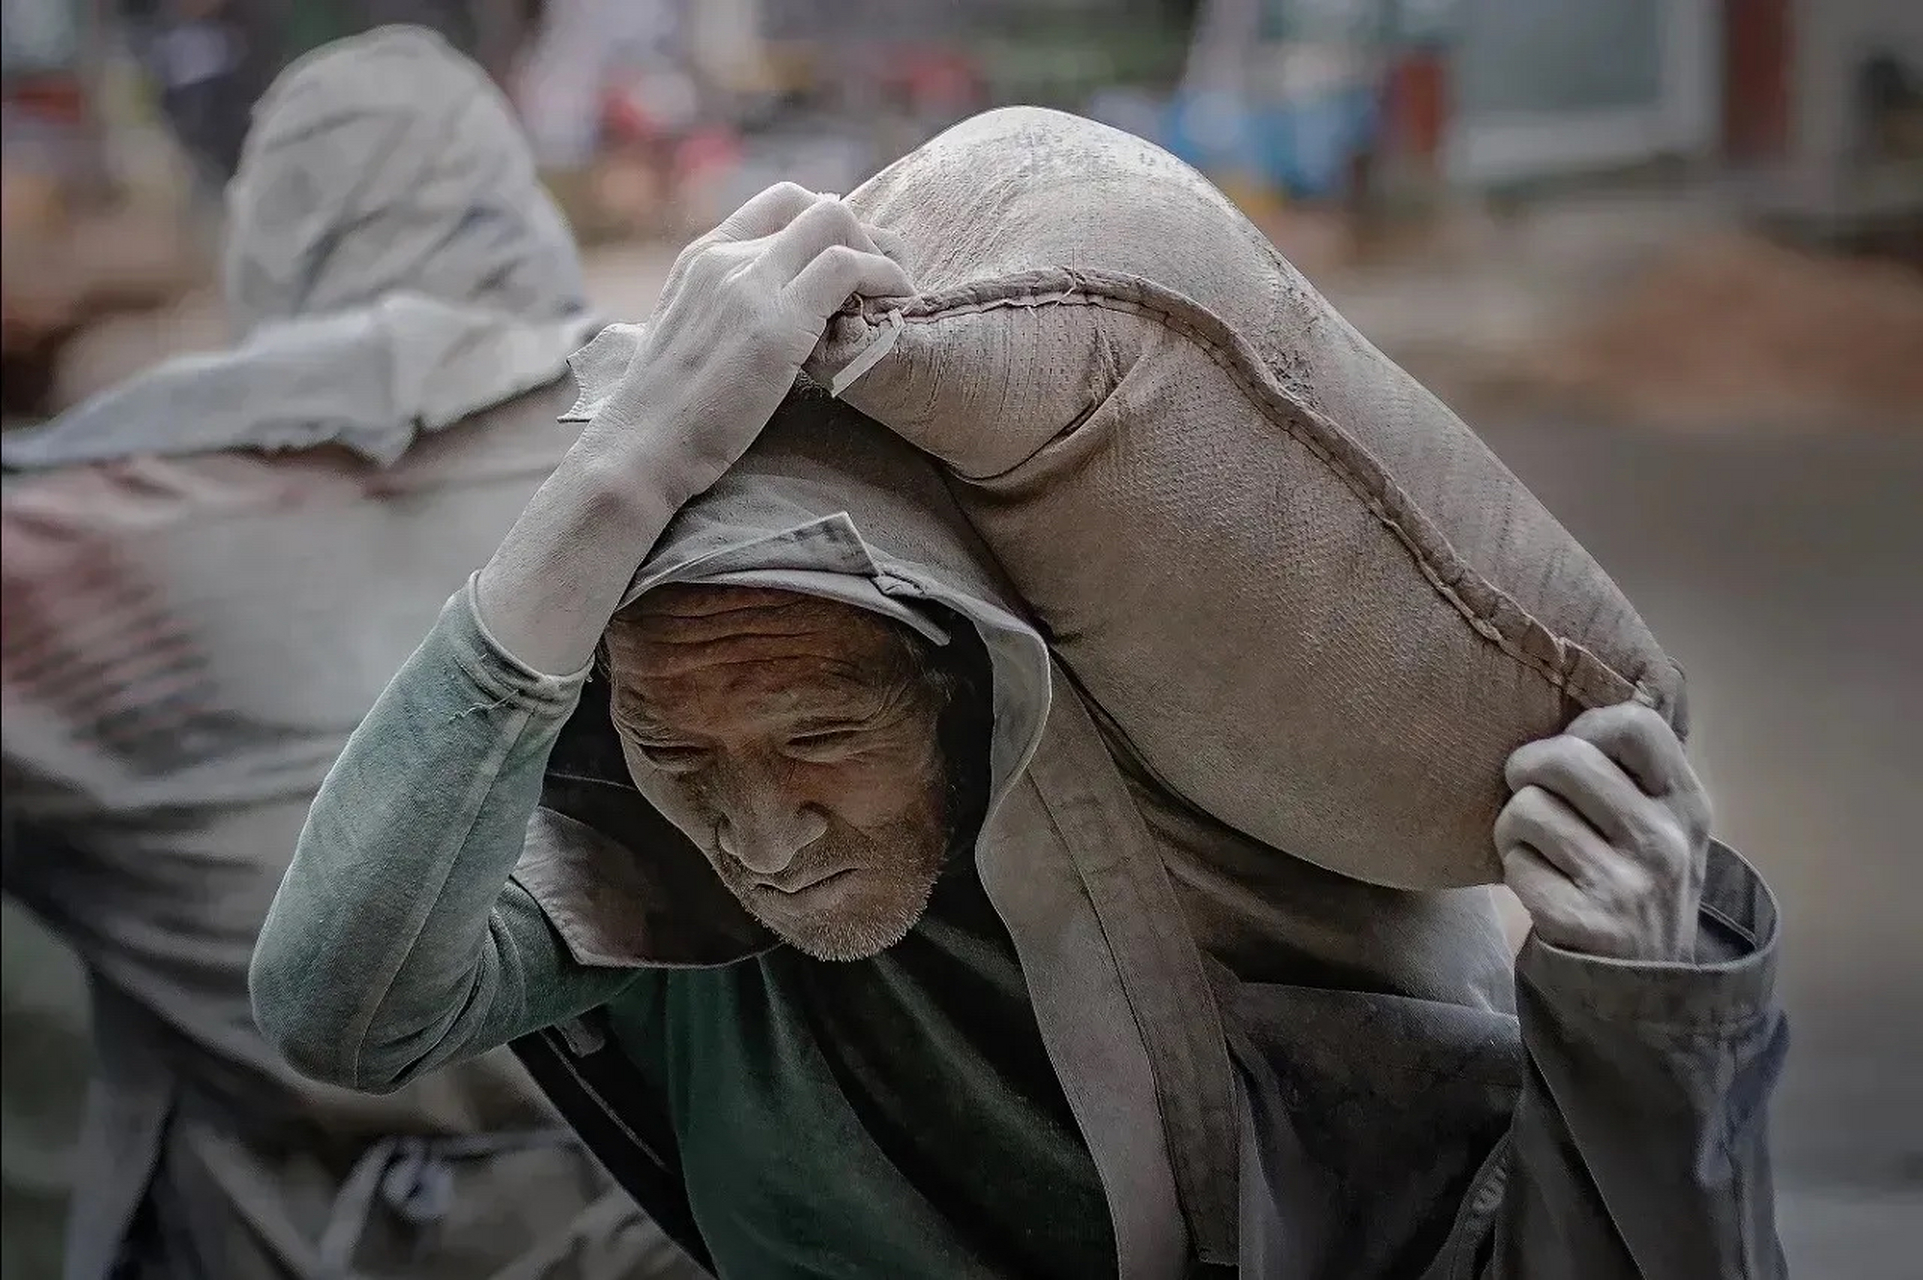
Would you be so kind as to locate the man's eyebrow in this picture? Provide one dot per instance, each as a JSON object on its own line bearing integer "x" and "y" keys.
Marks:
{"x": 627, "y": 711}
{"x": 844, "y": 709}
{"x": 842, "y": 717}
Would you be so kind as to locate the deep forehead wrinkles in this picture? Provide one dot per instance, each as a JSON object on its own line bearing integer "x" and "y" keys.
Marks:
{"x": 756, "y": 643}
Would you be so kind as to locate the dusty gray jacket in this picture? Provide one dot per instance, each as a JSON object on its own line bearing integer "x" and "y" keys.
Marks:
{"x": 1272, "y": 1066}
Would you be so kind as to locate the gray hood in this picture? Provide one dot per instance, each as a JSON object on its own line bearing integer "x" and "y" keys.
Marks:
{"x": 392, "y": 266}
{"x": 826, "y": 503}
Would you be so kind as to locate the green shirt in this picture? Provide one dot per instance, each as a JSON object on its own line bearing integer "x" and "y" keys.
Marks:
{"x": 891, "y": 1117}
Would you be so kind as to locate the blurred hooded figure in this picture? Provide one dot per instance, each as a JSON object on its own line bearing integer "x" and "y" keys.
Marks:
{"x": 209, "y": 575}
{"x": 211, "y": 59}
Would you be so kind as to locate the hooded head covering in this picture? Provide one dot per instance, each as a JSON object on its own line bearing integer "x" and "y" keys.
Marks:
{"x": 392, "y": 266}
{"x": 388, "y": 163}
{"x": 826, "y": 503}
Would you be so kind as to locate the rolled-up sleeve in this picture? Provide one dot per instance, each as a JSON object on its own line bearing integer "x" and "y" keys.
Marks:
{"x": 1640, "y": 1141}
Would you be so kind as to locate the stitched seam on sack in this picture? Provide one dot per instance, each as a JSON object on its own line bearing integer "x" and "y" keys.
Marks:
{"x": 1385, "y": 499}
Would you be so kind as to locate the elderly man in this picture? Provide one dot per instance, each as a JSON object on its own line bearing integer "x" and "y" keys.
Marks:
{"x": 859, "y": 944}
{"x": 209, "y": 574}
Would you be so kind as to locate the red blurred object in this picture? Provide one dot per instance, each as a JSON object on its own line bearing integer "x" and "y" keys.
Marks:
{"x": 649, "y": 107}
{"x": 1758, "y": 48}
{"x": 627, "y": 118}
{"x": 56, "y": 97}
{"x": 1418, "y": 105}
{"x": 706, "y": 151}
{"x": 935, "y": 79}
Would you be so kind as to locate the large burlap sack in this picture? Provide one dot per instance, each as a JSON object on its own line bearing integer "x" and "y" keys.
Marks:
{"x": 1311, "y": 599}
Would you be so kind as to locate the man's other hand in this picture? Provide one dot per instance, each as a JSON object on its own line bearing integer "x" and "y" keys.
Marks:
{"x": 1605, "y": 837}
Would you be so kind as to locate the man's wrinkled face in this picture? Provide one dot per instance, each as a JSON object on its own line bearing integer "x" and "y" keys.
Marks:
{"x": 794, "y": 739}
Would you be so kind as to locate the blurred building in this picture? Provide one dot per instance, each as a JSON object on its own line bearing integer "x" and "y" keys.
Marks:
{"x": 1750, "y": 82}
{"x": 1517, "y": 90}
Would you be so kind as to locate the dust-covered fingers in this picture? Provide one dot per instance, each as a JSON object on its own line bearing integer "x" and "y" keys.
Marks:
{"x": 821, "y": 226}
{"x": 1537, "y": 819}
{"x": 1639, "y": 740}
{"x": 766, "y": 213}
{"x": 839, "y": 271}
{"x": 763, "y": 215}
{"x": 1555, "y": 903}
{"x": 1578, "y": 773}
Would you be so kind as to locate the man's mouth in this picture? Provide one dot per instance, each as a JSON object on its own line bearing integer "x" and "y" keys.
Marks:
{"x": 807, "y": 886}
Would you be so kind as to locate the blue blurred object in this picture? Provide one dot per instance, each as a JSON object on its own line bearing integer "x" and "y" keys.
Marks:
{"x": 1302, "y": 146}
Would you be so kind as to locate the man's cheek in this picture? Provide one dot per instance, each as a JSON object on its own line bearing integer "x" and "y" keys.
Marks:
{"x": 877, "y": 791}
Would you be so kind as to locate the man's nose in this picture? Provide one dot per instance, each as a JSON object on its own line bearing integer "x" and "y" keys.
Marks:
{"x": 765, "y": 828}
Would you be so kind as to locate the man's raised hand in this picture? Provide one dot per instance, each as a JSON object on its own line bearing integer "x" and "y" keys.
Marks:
{"x": 743, "y": 308}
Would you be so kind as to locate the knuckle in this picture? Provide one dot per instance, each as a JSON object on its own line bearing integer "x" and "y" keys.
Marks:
{"x": 1532, "y": 807}
{"x": 831, "y": 218}
{"x": 707, "y": 256}
{"x": 1622, "y": 880}
{"x": 1645, "y": 724}
{"x": 1643, "y": 715}
{"x": 812, "y": 211}
{"x": 1604, "y": 722}
{"x": 685, "y": 260}
{"x": 1504, "y": 834}
{"x": 1558, "y": 764}
{"x": 1527, "y": 759}
{"x": 826, "y": 219}
{"x": 839, "y": 214}
{"x": 1528, "y": 891}
{"x": 1693, "y": 806}
{"x": 1587, "y": 722}
{"x": 1510, "y": 821}
{"x": 1567, "y": 765}
{"x": 1662, "y": 841}
{"x": 1642, "y": 827}
{"x": 1701, "y": 813}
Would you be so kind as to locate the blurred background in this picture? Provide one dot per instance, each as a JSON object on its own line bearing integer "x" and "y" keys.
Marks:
{"x": 1666, "y": 255}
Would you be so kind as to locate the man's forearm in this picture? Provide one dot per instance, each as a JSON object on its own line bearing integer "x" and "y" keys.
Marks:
{"x": 548, "y": 592}
{"x": 742, "y": 309}
{"x": 396, "y": 943}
